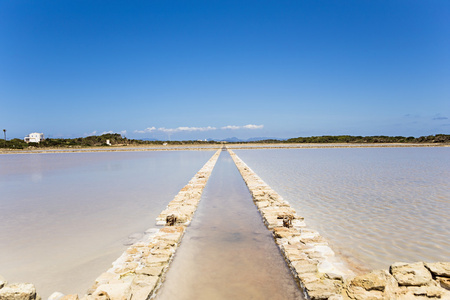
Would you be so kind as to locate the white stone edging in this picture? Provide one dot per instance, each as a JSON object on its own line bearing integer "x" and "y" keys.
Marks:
{"x": 321, "y": 274}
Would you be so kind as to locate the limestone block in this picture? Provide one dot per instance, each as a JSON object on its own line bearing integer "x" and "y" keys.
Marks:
{"x": 167, "y": 251}
{"x": 334, "y": 276}
{"x": 283, "y": 232}
{"x": 156, "y": 260}
{"x": 272, "y": 221}
{"x": 132, "y": 250}
{"x": 70, "y": 297}
{"x": 318, "y": 239}
{"x": 18, "y": 291}
{"x": 174, "y": 237}
{"x": 359, "y": 293}
{"x": 172, "y": 229}
{"x": 56, "y": 296}
{"x": 262, "y": 204}
{"x": 106, "y": 277}
{"x": 139, "y": 293}
{"x": 422, "y": 292}
{"x": 295, "y": 240}
{"x": 441, "y": 269}
{"x": 161, "y": 243}
{"x": 336, "y": 297}
{"x": 298, "y": 223}
{"x": 294, "y": 254}
{"x": 323, "y": 289}
{"x": 305, "y": 266}
{"x": 444, "y": 282}
{"x": 126, "y": 268}
{"x": 326, "y": 267}
{"x": 315, "y": 255}
{"x": 308, "y": 278}
{"x": 119, "y": 291}
{"x": 282, "y": 241}
{"x": 257, "y": 194}
{"x": 152, "y": 271}
{"x": 411, "y": 274}
{"x": 145, "y": 280}
{"x": 376, "y": 280}
{"x": 3, "y": 282}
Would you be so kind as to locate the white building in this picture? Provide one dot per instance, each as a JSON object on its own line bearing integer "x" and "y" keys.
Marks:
{"x": 34, "y": 137}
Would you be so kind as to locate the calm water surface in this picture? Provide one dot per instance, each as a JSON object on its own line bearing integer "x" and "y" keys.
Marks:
{"x": 66, "y": 217}
{"x": 227, "y": 252}
{"x": 375, "y": 205}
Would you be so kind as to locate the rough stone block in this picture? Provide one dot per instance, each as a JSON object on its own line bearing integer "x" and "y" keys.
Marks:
{"x": 18, "y": 291}
{"x": 441, "y": 269}
{"x": 283, "y": 232}
{"x": 308, "y": 277}
{"x": 56, "y": 296}
{"x": 70, "y": 297}
{"x": 126, "y": 268}
{"x": 444, "y": 282}
{"x": 359, "y": 293}
{"x": 376, "y": 280}
{"x": 421, "y": 292}
{"x": 157, "y": 260}
{"x": 153, "y": 271}
{"x": 139, "y": 293}
{"x": 323, "y": 289}
{"x": 305, "y": 266}
{"x": 119, "y": 291}
{"x": 411, "y": 274}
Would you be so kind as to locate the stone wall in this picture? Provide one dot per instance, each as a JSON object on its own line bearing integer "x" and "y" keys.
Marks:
{"x": 17, "y": 291}
{"x": 320, "y": 273}
{"x": 140, "y": 270}
{"x": 403, "y": 281}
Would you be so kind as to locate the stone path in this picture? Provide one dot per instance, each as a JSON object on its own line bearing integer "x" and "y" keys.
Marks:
{"x": 227, "y": 253}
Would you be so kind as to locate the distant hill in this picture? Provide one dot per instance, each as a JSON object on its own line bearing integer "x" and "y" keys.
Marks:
{"x": 258, "y": 139}
{"x": 254, "y": 139}
{"x": 230, "y": 140}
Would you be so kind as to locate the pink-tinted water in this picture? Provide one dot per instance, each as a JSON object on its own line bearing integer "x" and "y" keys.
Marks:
{"x": 64, "y": 218}
{"x": 375, "y": 205}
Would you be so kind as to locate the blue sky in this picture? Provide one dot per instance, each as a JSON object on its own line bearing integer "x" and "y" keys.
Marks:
{"x": 216, "y": 69}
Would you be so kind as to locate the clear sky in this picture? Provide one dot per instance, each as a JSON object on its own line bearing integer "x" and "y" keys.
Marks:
{"x": 217, "y": 69}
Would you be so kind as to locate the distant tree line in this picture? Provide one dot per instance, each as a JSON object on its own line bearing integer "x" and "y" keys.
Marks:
{"x": 116, "y": 139}
{"x": 438, "y": 138}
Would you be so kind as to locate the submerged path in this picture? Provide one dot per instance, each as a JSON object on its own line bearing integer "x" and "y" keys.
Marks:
{"x": 227, "y": 252}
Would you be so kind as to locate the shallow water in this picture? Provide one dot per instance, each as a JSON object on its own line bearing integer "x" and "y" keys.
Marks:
{"x": 227, "y": 252}
{"x": 66, "y": 217}
{"x": 375, "y": 205}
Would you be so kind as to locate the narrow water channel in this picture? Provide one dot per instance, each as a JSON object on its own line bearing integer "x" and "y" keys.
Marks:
{"x": 227, "y": 252}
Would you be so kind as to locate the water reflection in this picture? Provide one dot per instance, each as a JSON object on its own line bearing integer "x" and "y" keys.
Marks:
{"x": 66, "y": 217}
{"x": 375, "y": 205}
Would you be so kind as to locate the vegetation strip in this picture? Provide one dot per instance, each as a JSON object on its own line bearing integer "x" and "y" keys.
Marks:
{"x": 116, "y": 140}
{"x": 320, "y": 273}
